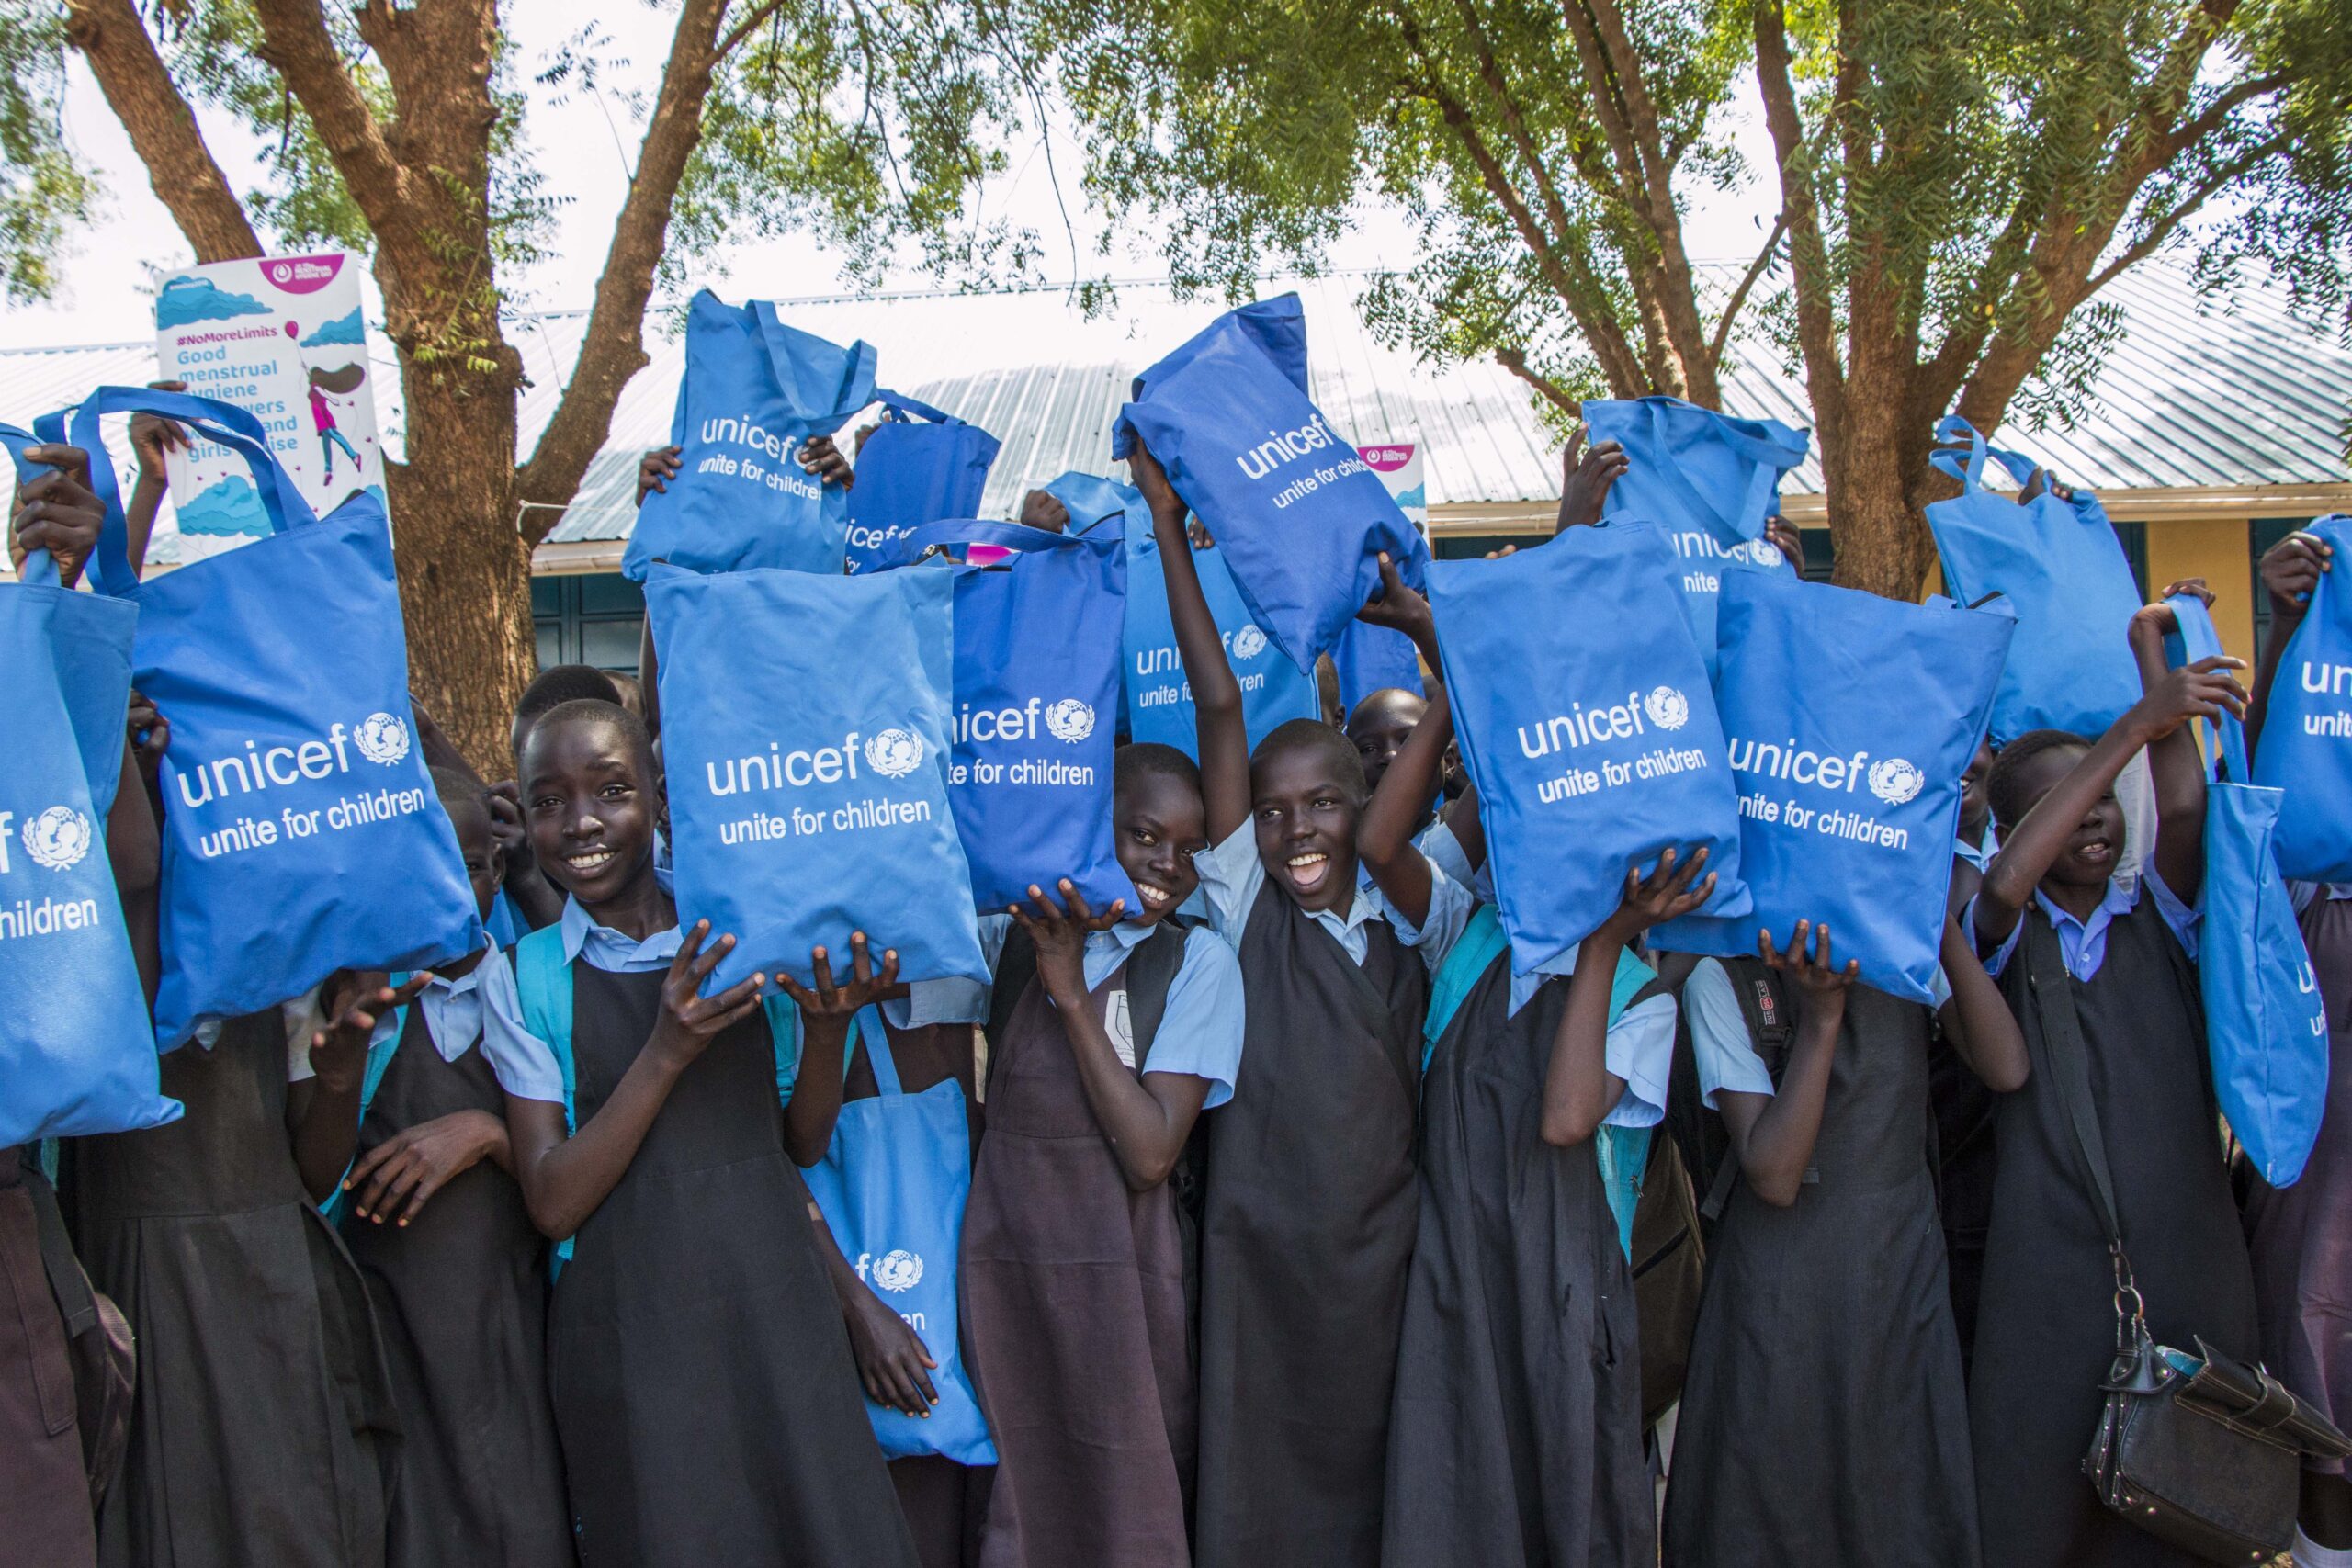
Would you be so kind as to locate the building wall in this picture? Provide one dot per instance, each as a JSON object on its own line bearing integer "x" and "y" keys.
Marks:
{"x": 2219, "y": 551}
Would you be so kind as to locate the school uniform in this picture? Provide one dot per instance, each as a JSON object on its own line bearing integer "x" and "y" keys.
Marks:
{"x": 2045, "y": 1333}
{"x": 44, "y": 1497}
{"x": 700, "y": 1374}
{"x": 2301, "y": 1244}
{"x": 1965, "y": 1111}
{"x": 1308, "y": 1225}
{"x": 263, "y": 1428}
{"x": 461, "y": 1293}
{"x": 1074, "y": 1290}
{"x": 1824, "y": 1418}
{"x": 1516, "y": 1436}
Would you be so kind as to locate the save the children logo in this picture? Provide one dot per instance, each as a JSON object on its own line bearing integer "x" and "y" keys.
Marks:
{"x": 1069, "y": 720}
{"x": 1248, "y": 642}
{"x": 58, "y": 837}
{"x": 894, "y": 753}
{"x": 1667, "y": 708}
{"x": 1895, "y": 781}
{"x": 381, "y": 738}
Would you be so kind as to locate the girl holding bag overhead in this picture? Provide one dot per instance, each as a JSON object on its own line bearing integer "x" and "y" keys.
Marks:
{"x": 702, "y": 1381}
{"x": 1311, "y": 1208}
{"x": 2103, "y": 981}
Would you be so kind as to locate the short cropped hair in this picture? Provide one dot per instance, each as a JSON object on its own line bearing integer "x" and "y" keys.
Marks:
{"x": 2005, "y": 780}
{"x": 1315, "y": 737}
{"x": 596, "y": 710}
{"x": 561, "y": 684}
{"x": 1148, "y": 758}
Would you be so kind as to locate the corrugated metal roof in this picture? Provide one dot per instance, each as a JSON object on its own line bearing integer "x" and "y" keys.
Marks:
{"x": 2237, "y": 394}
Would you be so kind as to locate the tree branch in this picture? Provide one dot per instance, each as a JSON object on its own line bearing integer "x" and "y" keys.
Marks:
{"x": 110, "y": 36}
{"x": 742, "y": 29}
{"x": 2163, "y": 228}
{"x": 1800, "y": 208}
{"x": 1554, "y": 393}
{"x": 296, "y": 44}
{"x": 612, "y": 349}
{"x": 1756, "y": 269}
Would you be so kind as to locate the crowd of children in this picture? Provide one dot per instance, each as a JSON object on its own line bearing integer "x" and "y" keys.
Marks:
{"x": 1298, "y": 1232}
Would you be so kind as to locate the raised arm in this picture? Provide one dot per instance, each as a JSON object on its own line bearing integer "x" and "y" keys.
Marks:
{"x": 1977, "y": 1020}
{"x": 564, "y": 1179}
{"x": 1578, "y": 1089}
{"x": 1773, "y": 1135}
{"x": 1217, "y": 695}
{"x": 324, "y": 1109}
{"x": 2291, "y": 570}
{"x": 1145, "y": 1118}
{"x": 825, "y": 1015}
{"x": 1384, "y": 836}
{"x": 2175, "y": 765}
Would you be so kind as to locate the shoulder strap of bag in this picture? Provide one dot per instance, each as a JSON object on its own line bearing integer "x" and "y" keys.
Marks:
{"x": 77, "y": 1302}
{"x": 1151, "y": 970}
{"x": 784, "y": 1032}
{"x": 2052, "y": 990}
{"x": 543, "y": 983}
{"x": 1764, "y": 1006}
{"x": 381, "y": 1052}
{"x": 1480, "y": 944}
{"x": 2225, "y": 759}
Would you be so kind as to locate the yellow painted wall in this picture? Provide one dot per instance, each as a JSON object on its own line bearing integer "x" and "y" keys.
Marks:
{"x": 2215, "y": 550}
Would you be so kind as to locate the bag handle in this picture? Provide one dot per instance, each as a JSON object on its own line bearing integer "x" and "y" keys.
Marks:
{"x": 225, "y": 423}
{"x": 899, "y": 409}
{"x": 2053, "y": 1003}
{"x": 911, "y": 546}
{"x": 1970, "y": 473}
{"x": 1763, "y": 451}
{"x": 40, "y": 571}
{"x": 2199, "y": 640}
{"x": 855, "y": 386}
{"x": 867, "y": 1030}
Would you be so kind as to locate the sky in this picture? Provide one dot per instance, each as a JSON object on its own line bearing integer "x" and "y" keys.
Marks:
{"x": 584, "y": 145}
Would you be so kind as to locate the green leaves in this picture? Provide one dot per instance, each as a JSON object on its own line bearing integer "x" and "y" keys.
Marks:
{"x": 43, "y": 194}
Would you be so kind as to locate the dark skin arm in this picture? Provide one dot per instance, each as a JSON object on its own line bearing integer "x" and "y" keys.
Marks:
{"x": 2291, "y": 570}
{"x": 56, "y": 511}
{"x": 153, "y": 438}
{"x": 1773, "y": 1135}
{"x": 565, "y": 1178}
{"x": 2202, "y": 690}
{"x": 393, "y": 1179}
{"x": 825, "y": 1014}
{"x": 134, "y": 840}
{"x": 1145, "y": 1119}
{"x": 1384, "y": 835}
{"x": 1217, "y": 695}
{"x": 892, "y": 1360}
{"x": 1585, "y": 479}
{"x": 324, "y": 1110}
{"x": 1579, "y": 1090}
{"x": 1043, "y": 508}
{"x": 525, "y": 883}
{"x": 654, "y": 472}
{"x": 2175, "y": 765}
{"x": 1977, "y": 1020}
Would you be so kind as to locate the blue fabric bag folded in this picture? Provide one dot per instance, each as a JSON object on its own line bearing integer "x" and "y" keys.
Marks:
{"x": 2306, "y": 745}
{"x": 1709, "y": 480}
{"x": 920, "y": 466}
{"x": 77, "y": 1053}
{"x": 2063, "y": 570}
{"x": 2265, "y": 1023}
{"x": 754, "y": 390}
{"x": 808, "y": 785}
{"x": 302, "y": 831}
{"x": 1374, "y": 659}
{"x": 1036, "y": 694}
{"x": 1155, "y": 699}
{"x": 1582, "y": 710}
{"x": 1850, "y": 720}
{"x": 892, "y": 1188}
{"x": 1299, "y": 515}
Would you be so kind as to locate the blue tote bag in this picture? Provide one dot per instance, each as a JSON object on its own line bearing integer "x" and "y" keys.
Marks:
{"x": 1155, "y": 699}
{"x": 2307, "y": 734}
{"x": 1849, "y": 719}
{"x": 1583, "y": 714}
{"x": 2063, "y": 570}
{"x": 920, "y": 466}
{"x": 807, "y": 783}
{"x": 1709, "y": 480}
{"x": 77, "y": 1053}
{"x": 302, "y": 831}
{"x": 892, "y": 1188}
{"x": 1299, "y": 515}
{"x": 2265, "y": 1023}
{"x": 754, "y": 393}
{"x": 1374, "y": 659}
{"x": 1036, "y": 695}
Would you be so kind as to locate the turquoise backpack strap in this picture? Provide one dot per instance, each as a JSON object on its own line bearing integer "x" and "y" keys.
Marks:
{"x": 543, "y": 986}
{"x": 784, "y": 1027}
{"x": 379, "y": 1057}
{"x": 1625, "y": 1152}
{"x": 1480, "y": 942}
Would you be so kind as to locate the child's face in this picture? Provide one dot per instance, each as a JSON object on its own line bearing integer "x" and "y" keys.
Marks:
{"x": 1305, "y": 820}
{"x": 1380, "y": 727}
{"x": 2089, "y": 857}
{"x": 1972, "y": 802}
{"x": 485, "y": 865}
{"x": 1161, "y": 827}
{"x": 589, "y": 807}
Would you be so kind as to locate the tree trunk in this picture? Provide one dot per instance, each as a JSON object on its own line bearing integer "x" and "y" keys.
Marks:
{"x": 465, "y": 570}
{"x": 1873, "y": 474}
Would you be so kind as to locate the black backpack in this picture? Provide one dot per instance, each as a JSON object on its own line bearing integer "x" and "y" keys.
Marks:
{"x": 1698, "y": 1132}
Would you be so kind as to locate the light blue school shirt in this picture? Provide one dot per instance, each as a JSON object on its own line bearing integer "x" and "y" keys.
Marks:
{"x": 525, "y": 1065}
{"x": 1724, "y": 1050}
{"x": 2084, "y": 942}
{"x": 1232, "y": 877}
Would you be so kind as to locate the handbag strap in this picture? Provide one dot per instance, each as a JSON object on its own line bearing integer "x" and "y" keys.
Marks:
{"x": 2051, "y": 989}
{"x": 899, "y": 409}
{"x": 2198, "y": 639}
{"x": 1770, "y": 456}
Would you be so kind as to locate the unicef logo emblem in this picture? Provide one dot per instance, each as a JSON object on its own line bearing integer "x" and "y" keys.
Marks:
{"x": 898, "y": 1272}
{"x": 58, "y": 837}
{"x": 1667, "y": 708}
{"x": 1895, "y": 781}
{"x": 1248, "y": 642}
{"x": 381, "y": 738}
{"x": 1069, "y": 720}
{"x": 894, "y": 753}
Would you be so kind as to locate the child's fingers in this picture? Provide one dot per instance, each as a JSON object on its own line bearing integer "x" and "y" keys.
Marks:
{"x": 802, "y": 998}
{"x": 1821, "y": 958}
{"x": 711, "y": 960}
{"x": 428, "y": 1183}
{"x": 370, "y": 1161}
{"x": 1075, "y": 902}
{"x": 861, "y": 962}
{"x": 1047, "y": 911}
{"x": 889, "y": 969}
{"x": 733, "y": 1012}
{"x": 821, "y": 963}
{"x": 683, "y": 963}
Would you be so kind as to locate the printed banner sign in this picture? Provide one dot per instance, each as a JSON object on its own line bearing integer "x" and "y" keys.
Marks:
{"x": 283, "y": 338}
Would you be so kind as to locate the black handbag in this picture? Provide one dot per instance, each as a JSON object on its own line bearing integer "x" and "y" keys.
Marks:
{"x": 2202, "y": 1450}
